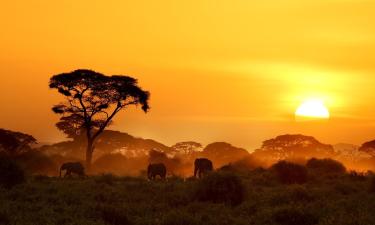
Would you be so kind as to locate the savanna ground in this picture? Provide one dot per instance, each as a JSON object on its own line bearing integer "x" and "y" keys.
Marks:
{"x": 255, "y": 197}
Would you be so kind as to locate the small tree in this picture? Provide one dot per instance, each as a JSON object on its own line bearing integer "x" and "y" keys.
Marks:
{"x": 93, "y": 100}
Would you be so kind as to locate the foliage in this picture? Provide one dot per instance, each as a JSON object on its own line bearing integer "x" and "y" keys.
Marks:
{"x": 221, "y": 187}
{"x": 368, "y": 147}
{"x": 136, "y": 201}
{"x": 93, "y": 100}
{"x": 10, "y": 173}
{"x": 326, "y": 166}
{"x": 187, "y": 147}
{"x": 13, "y": 143}
{"x": 290, "y": 173}
{"x": 223, "y": 153}
{"x": 294, "y": 146}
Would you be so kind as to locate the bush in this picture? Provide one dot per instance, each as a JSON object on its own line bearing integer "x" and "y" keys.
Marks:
{"x": 112, "y": 215}
{"x": 294, "y": 216}
{"x": 221, "y": 187}
{"x": 11, "y": 173}
{"x": 290, "y": 173}
{"x": 326, "y": 166}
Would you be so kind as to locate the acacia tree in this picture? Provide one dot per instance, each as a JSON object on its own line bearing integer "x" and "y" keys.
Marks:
{"x": 294, "y": 146}
{"x": 13, "y": 143}
{"x": 368, "y": 147}
{"x": 92, "y": 101}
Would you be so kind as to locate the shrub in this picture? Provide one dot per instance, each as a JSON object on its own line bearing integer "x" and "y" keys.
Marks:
{"x": 112, "y": 215}
{"x": 294, "y": 216}
{"x": 326, "y": 166}
{"x": 221, "y": 187}
{"x": 290, "y": 173}
{"x": 11, "y": 173}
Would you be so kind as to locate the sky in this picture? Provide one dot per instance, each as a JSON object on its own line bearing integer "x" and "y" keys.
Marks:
{"x": 233, "y": 71}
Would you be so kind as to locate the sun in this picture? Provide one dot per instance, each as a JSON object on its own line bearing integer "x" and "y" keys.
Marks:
{"x": 313, "y": 108}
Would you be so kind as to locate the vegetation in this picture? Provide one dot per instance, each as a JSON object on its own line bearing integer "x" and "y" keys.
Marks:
{"x": 221, "y": 187}
{"x": 325, "y": 166}
{"x": 276, "y": 185}
{"x": 115, "y": 200}
{"x": 290, "y": 173}
{"x": 10, "y": 173}
{"x": 92, "y": 101}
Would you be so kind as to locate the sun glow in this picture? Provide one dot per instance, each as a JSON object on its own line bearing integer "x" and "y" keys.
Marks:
{"x": 314, "y": 108}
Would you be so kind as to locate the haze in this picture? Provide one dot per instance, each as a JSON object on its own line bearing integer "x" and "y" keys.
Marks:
{"x": 230, "y": 71}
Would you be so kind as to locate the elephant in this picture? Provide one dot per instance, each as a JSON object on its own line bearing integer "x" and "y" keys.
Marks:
{"x": 202, "y": 166}
{"x": 73, "y": 167}
{"x": 156, "y": 169}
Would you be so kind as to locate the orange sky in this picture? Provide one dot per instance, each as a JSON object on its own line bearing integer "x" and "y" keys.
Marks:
{"x": 217, "y": 70}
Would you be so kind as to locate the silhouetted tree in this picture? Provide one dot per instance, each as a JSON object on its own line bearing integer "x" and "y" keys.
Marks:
{"x": 71, "y": 125}
{"x": 294, "y": 147}
{"x": 368, "y": 147}
{"x": 95, "y": 99}
{"x": 13, "y": 143}
{"x": 222, "y": 153}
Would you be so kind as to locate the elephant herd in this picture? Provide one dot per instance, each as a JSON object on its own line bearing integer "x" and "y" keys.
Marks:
{"x": 201, "y": 167}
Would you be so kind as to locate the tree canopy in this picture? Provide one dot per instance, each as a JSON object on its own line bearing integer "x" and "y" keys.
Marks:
{"x": 12, "y": 142}
{"x": 294, "y": 146}
{"x": 368, "y": 147}
{"x": 92, "y": 101}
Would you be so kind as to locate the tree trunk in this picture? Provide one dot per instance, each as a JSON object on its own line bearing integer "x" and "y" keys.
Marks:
{"x": 89, "y": 151}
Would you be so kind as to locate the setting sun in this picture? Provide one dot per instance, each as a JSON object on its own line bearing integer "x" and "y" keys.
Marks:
{"x": 312, "y": 108}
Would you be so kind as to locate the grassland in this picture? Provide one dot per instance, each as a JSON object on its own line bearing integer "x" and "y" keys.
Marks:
{"x": 325, "y": 200}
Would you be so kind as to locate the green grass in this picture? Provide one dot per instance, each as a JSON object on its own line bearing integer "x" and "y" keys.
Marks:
{"x": 126, "y": 200}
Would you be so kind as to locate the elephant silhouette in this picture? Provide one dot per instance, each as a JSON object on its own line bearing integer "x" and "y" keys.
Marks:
{"x": 202, "y": 166}
{"x": 156, "y": 169}
{"x": 73, "y": 167}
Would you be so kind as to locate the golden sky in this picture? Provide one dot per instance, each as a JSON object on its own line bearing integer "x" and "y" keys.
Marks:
{"x": 217, "y": 70}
